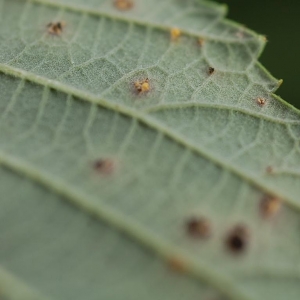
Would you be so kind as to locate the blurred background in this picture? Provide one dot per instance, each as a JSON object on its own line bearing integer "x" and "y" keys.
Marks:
{"x": 279, "y": 20}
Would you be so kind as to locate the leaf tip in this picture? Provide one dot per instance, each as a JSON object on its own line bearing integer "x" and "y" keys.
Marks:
{"x": 263, "y": 38}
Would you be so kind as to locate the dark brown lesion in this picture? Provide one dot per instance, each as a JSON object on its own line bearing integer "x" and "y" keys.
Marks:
{"x": 199, "y": 227}
{"x": 211, "y": 70}
{"x": 105, "y": 166}
{"x": 56, "y": 28}
{"x": 237, "y": 240}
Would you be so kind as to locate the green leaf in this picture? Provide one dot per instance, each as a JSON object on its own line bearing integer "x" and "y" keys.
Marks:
{"x": 99, "y": 181}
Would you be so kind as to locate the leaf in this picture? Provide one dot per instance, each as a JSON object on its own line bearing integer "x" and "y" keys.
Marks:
{"x": 99, "y": 181}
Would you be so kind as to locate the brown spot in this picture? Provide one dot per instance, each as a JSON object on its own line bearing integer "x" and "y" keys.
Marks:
{"x": 270, "y": 206}
{"x": 123, "y": 4}
{"x": 199, "y": 228}
{"x": 238, "y": 239}
{"x": 201, "y": 42}
{"x": 261, "y": 101}
{"x": 175, "y": 34}
{"x": 211, "y": 70}
{"x": 177, "y": 265}
{"x": 105, "y": 166}
{"x": 142, "y": 86}
{"x": 270, "y": 170}
{"x": 56, "y": 28}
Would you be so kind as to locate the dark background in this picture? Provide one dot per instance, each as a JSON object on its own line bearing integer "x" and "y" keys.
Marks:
{"x": 280, "y": 21}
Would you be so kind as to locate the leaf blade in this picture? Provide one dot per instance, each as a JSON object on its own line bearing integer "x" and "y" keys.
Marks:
{"x": 30, "y": 140}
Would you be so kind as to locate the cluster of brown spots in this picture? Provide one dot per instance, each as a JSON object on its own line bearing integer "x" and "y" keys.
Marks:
{"x": 175, "y": 34}
{"x": 237, "y": 239}
{"x": 123, "y": 4}
{"x": 270, "y": 206}
{"x": 56, "y": 28}
{"x": 142, "y": 86}
{"x": 261, "y": 101}
{"x": 177, "y": 265}
{"x": 105, "y": 166}
{"x": 211, "y": 70}
{"x": 199, "y": 228}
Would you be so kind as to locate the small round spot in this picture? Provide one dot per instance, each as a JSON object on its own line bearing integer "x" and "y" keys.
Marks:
{"x": 123, "y": 4}
{"x": 105, "y": 166}
{"x": 261, "y": 101}
{"x": 270, "y": 206}
{"x": 199, "y": 228}
{"x": 238, "y": 239}
{"x": 142, "y": 86}
{"x": 211, "y": 70}
{"x": 56, "y": 28}
{"x": 175, "y": 34}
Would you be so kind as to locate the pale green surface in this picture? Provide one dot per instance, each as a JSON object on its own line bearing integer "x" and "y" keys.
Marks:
{"x": 194, "y": 143}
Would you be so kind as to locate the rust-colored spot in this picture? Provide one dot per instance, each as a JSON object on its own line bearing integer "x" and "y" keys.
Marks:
{"x": 105, "y": 166}
{"x": 270, "y": 206}
{"x": 56, "y": 28}
{"x": 142, "y": 86}
{"x": 177, "y": 265}
{"x": 199, "y": 227}
{"x": 261, "y": 101}
{"x": 237, "y": 239}
{"x": 211, "y": 70}
{"x": 123, "y": 4}
{"x": 201, "y": 42}
{"x": 175, "y": 34}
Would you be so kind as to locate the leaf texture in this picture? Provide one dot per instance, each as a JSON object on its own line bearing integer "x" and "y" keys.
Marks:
{"x": 197, "y": 143}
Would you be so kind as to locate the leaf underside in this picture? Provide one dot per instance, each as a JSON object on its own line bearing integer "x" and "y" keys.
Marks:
{"x": 197, "y": 143}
